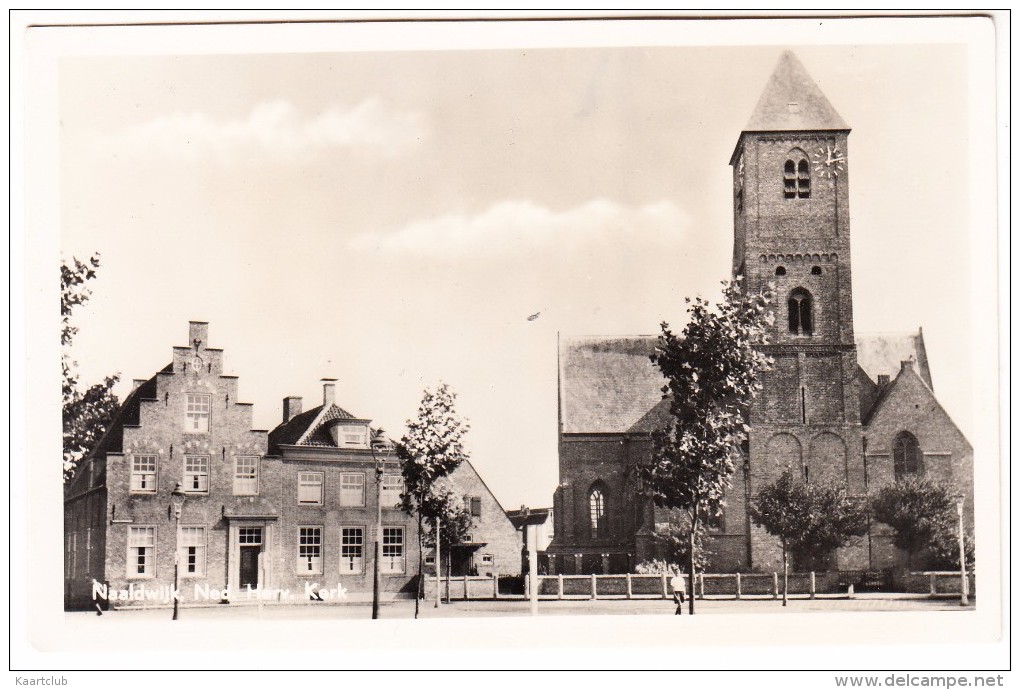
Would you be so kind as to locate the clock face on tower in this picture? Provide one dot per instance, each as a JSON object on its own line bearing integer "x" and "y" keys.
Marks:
{"x": 830, "y": 162}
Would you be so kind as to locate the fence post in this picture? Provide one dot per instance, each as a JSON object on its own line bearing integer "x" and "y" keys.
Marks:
{"x": 665, "y": 595}
{"x": 931, "y": 584}
{"x": 495, "y": 586}
{"x": 594, "y": 587}
{"x": 465, "y": 587}
{"x": 812, "y": 584}
{"x": 701, "y": 579}
{"x": 559, "y": 586}
{"x": 738, "y": 585}
{"x": 628, "y": 586}
{"x": 775, "y": 585}
{"x": 527, "y": 586}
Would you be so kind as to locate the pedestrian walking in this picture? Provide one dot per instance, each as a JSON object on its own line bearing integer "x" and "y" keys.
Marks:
{"x": 679, "y": 592}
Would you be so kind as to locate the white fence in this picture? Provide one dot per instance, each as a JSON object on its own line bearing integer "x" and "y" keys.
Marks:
{"x": 634, "y": 586}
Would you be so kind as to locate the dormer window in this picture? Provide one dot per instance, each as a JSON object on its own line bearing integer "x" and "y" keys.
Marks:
{"x": 349, "y": 435}
{"x": 354, "y": 436}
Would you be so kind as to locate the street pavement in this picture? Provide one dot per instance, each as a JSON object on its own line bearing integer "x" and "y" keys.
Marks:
{"x": 404, "y": 609}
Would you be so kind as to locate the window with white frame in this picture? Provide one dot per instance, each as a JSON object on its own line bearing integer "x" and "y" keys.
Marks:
{"x": 352, "y": 549}
{"x": 246, "y": 476}
{"x": 310, "y": 488}
{"x": 196, "y": 418}
{"x": 354, "y": 436}
{"x": 392, "y": 550}
{"x": 352, "y": 489}
{"x": 192, "y": 551}
{"x": 486, "y": 559}
{"x": 309, "y": 560}
{"x": 141, "y": 561}
{"x": 196, "y": 473}
{"x": 249, "y": 536}
{"x": 143, "y": 474}
{"x": 392, "y": 487}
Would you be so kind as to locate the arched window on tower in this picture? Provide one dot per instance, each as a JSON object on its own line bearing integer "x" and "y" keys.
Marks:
{"x": 799, "y": 311}
{"x": 906, "y": 455}
{"x": 597, "y": 511}
{"x": 797, "y": 177}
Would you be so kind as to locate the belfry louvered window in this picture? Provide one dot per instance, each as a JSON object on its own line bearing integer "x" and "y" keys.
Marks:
{"x": 796, "y": 179}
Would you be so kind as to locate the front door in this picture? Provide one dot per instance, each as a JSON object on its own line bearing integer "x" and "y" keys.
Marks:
{"x": 250, "y": 566}
{"x": 250, "y": 545}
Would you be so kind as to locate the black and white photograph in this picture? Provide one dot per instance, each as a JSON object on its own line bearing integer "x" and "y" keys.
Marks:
{"x": 650, "y": 337}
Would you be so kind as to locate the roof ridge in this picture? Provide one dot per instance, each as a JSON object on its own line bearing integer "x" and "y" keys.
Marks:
{"x": 314, "y": 425}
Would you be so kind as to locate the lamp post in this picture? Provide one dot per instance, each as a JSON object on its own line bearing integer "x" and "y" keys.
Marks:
{"x": 176, "y": 504}
{"x": 377, "y": 442}
{"x": 964, "y": 601}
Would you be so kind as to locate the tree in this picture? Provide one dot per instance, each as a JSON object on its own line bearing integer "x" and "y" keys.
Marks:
{"x": 444, "y": 504}
{"x": 810, "y": 520}
{"x": 922, "y": 514}
{"x": 945, "y": 552}
{"x": 712, "y": 376}
{"x": 672, "y": 544}
{"x": 86, "y": 414}
{"x": 431, "y": 449}
{"x": 834, "y": 519}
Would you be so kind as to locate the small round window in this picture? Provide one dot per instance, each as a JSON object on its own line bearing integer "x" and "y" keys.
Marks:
{"x": 780, "y": 271}
{"x": 816, "y": 270}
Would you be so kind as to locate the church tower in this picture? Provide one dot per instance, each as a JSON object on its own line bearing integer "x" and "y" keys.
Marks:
{"x": 792, "y": 229}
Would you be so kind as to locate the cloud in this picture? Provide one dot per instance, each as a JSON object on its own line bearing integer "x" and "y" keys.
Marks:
{"x": 513, "y": 227}
{"x": 278, "y": 128}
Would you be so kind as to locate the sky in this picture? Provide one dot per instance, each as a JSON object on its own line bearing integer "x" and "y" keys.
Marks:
{"x": 396, "y": 218}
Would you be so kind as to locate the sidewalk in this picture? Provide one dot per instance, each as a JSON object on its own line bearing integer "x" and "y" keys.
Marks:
{"x": 404, "y": 609}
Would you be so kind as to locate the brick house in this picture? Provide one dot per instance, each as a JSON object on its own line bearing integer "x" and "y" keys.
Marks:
{"x": 274, "y": 514}
{"x": 836, "y": 408}
{"x": 328, "y": 502}
{"x": 493, "y": 545}
{"x": 254, "y": 522}
{"x": 182, "y": 426}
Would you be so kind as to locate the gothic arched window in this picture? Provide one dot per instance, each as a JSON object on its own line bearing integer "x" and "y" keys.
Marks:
{"x": 799, "y": 311}
{"x": 906, "y": 455}
{"x": 597, "y": 511}
{"x": 797, "y": 177}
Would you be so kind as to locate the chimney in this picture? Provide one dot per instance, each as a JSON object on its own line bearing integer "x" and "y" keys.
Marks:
{"x": 906, "y": 364}
{"x": 883, "y": 380}
{"x": 328, "y": 391}
{"x": 198, "y": 334}
{"x": 291, "y": 407}
{"x": 135, "y": 383}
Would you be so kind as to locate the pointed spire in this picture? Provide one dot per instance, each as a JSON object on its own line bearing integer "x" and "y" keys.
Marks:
{"x": 792, "y": 101}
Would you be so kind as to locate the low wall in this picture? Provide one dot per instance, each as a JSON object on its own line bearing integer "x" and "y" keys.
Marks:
{"x": 935, "y": 582}
{"x": 733, "y": 585}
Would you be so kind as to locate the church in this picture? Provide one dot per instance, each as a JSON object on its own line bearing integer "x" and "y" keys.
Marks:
{"x": 837, "y": 407}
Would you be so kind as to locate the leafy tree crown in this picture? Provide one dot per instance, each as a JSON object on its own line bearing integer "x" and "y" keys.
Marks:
{"x": 86, "y": 414}
{"x": 433, "y": 446}
{"x": 712, "y": 371}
